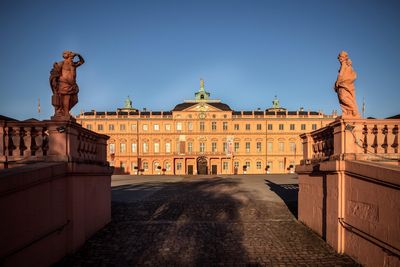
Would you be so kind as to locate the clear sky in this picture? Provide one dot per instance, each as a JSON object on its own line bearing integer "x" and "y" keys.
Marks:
{"x": 156, "y": 52}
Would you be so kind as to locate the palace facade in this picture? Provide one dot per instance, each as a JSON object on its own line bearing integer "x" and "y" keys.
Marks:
{"x": 204, "y": 136}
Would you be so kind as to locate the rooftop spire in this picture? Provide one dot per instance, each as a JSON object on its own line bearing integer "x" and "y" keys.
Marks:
{"x": 201, "y": 85}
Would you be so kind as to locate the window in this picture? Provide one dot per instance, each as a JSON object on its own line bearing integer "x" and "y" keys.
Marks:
{"x": 236, "y": 127}
{"x": 156, "y": 164}
{"x": 224, "y": 147}
{"x": 281, "y": 127}
{"x": 236, "y": 146}
{"x": 258, "y": 146}
{"x": 292, "y": 146}
{"x": 202, "y": 126}
{"x": 89, "y": 126}
{"x": 281, "y": 165}
{"x": 303, "y": 127}
{"x": 292, "y": 127}
{"x": 168, "y": 147}
{"x": 225, "y": 165}
{"x": 314, "y": 127}
{"x": 111, "y": 127}
{"x": 156, "y": 147}
{"x": 269, "y": 147}
{"x": 179, "y": 166}
{"x": 133, "y": 146}
{"x": 213, "y": 126}
{"x": 213, "y": 146}
{"x": 236, "y": 164}
{"x": 145, "y": 148}
{"x": 167, "y": 166}
{"x": 100, "y": 127}
{"x": 202, "y": 147}
{"x": 258, "y": 127}
{"x": 247, "y": 163}
{"x": 122, "y": 127}
{"x": 133, "y": 127}
{"x": 190, "y": 147}
{"x": 281, "y": 146}
{"x": 270, "y": 127}
{"x": 225, "y": 126}
{"x": 248, "y": 126}
{"x": 247, "y": 147}
{"x": 179, "y": 126}
{"x": 122, "y": 165}
{"x": 145, "y": 127}
{"x": 133, "y": 166}
{"x": 122, "y": 147}
{"x": 269, "y": 164}
{"x": 168, "y": 127}
{"x": 258, "y": 164}
{"x": 145, "y": 165}
{"x": 156, "y": 127}
{"x": 190, "y": 126}
{"x": 112, "y": 148}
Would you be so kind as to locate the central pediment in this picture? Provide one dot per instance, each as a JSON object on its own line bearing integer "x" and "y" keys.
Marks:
{"x": 201, "y": 107}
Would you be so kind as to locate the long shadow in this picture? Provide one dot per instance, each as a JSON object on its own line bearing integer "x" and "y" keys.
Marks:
{"x": 288, "y": 193}
{"x": 188, "y": 223}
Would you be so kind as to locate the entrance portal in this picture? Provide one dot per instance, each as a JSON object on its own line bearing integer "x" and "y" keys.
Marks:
{"x": 202, "y": 165}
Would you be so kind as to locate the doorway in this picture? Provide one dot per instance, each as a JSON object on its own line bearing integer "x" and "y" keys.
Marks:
{"x": 190, "y": 169}
{"x": 202, "y": 165}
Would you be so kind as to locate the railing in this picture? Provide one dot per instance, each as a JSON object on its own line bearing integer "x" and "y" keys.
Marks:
{"x": 22, "y": 142}
{"x": 361, "y": 139}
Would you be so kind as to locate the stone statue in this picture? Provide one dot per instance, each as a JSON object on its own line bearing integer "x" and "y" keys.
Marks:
{"x": 63, "y": 84}
{"x": 345, "y": 88}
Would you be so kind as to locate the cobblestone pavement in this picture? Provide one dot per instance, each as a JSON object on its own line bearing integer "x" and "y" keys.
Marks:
{"x": 230, "y": 221}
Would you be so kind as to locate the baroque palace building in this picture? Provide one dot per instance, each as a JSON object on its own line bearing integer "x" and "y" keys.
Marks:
{"x": 204, "y": 136}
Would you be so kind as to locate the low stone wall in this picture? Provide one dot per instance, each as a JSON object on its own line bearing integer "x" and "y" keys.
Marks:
{"x": 50, "y": 209}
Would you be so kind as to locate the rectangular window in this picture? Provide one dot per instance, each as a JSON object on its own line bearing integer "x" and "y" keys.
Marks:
{"x": 168, "y": 127}
{"x": 156, "y": 127}
{"x": 133, "y": 167}
{"x": 258, "y": 164}
{"x": 236, "y": 127}
{"x": 111, "y": 127}
{"x": 236, "y": 146}
{"x": 269, "y": 147}
{"x": 247, "y": 165}
{"x": 292, "y": 146}
{"x": 213, "y": 126}
{"x": 224, "y": 147}
{"x": 292, "y": 127}
{"x": 179, "y": 126}
{"x": 214, "y": 147}
{"x": 190, "y": 147}
{"x": 145, "y": 165}
{"x": 303, "y": 127}
{"x": 179, "y": 166}
{"x": 190, "y": 126}
{"x": 269, "y": 165}
{"x": 168, "y": 147}
{"x": 133, "y": 146}
{"x": 202, "y": 147}
{"x": 100, "y": 127}
{"x": 122, "y": 147}
{"x": 89, "y": 126}
{"x": 270, "y": 127}
{"x": 202, "y": 126}
{"x": 247, "y": 126}
{"x": 133, "y": 127}
{"x": 145, "y": 148}
{"x": 258, "y": 147}
{"x": 225, "y": 126}
{"x": 156, "y": 147}
{"x": 259, "y": 127}
{"x": 247, "y": 147}
{"x": 122, "y": 127}
{"x": 225, "y": 165}
{"x": 112, "y": 148}
{"x": 314, "y": 127}
{"x": 236, "y": 164}
{"x": 168, "y": 166}
{"x": 281, "y": 146}
{"x": 281, "y": 127}
{"x": 145, "y": 127}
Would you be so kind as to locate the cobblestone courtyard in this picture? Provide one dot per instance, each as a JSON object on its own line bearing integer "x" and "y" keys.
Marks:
{"x": 205, "y": 221}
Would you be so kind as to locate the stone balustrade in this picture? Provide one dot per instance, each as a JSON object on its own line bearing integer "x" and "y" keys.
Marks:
{"x": 22, "y": 142}
{"x": 355, "y": 139}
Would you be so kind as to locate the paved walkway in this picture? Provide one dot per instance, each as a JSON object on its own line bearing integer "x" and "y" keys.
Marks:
{"x": 205, "y": 221}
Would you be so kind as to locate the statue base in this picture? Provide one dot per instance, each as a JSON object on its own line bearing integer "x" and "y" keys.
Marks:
{"x": 62, "y": 118}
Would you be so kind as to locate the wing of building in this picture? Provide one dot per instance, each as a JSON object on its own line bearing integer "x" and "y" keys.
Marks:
{"x": 204, "y": 136}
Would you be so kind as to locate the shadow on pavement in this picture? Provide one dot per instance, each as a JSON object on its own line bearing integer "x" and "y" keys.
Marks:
{"x": 288, "y": 193}
{"x": 185, "y": 223}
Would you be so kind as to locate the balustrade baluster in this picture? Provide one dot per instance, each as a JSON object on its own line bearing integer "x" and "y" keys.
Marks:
{"x": 375, "y": 143}
{"x": 385, "y": 141}
{"x": 17, "y": 141}
{"x": 365, "y": 142}
{"x": 395, "y": 145}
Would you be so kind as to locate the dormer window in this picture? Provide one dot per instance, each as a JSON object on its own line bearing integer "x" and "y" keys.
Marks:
{"x": 201, "y": 96}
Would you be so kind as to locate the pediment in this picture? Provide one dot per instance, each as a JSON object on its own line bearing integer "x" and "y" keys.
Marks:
{"x": 202, "y": 107}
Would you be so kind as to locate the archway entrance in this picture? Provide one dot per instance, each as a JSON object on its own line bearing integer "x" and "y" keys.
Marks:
{"x": 202, "y": 165}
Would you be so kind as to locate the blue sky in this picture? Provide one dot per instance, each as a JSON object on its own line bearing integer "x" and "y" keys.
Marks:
{"x": 156, "y": 52}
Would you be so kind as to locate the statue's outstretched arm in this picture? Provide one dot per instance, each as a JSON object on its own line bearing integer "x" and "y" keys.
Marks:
{"x": 81, "y": 60}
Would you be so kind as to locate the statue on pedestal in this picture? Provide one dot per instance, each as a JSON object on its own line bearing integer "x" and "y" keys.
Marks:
{"x": 345, "y": 88}
{"x": 63, "y": 84}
